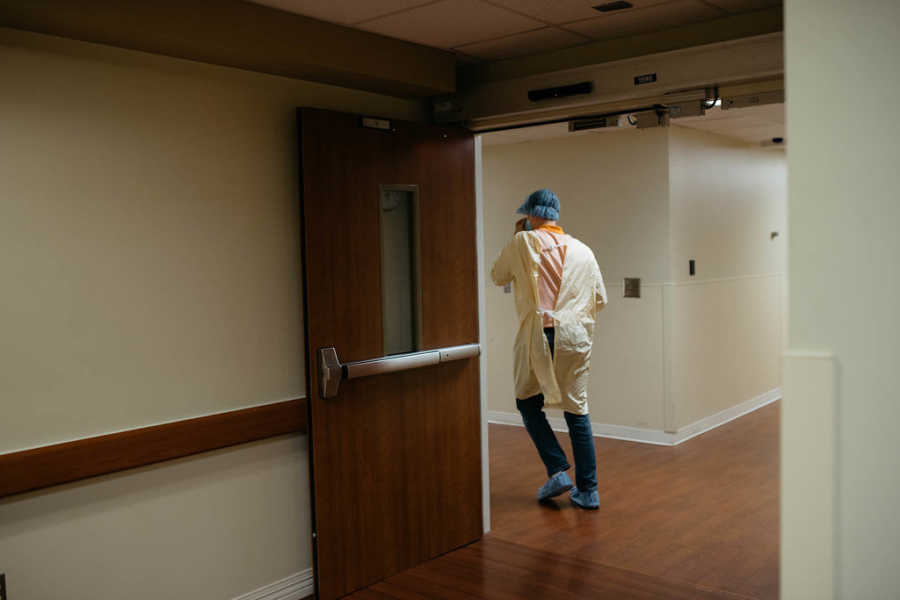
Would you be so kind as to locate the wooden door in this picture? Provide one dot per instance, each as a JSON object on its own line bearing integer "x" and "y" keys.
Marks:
{"x": 395, "y": 458}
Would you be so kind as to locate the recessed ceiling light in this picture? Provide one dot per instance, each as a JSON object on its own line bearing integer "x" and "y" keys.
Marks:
{"x": 611, "y": 6}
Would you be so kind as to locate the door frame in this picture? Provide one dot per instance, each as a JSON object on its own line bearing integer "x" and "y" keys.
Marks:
{"x": 482, "y": 337}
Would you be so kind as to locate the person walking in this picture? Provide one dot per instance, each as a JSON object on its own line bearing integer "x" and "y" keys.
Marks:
{"x": 558, "y": 291}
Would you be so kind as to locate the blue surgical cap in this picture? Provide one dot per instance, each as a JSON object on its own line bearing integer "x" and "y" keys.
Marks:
{"x": 542, "y": 204}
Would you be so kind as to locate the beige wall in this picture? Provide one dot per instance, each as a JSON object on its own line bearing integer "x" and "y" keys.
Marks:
{"x": 841, "y": 451}
{"x": 613, "y": 191}
{"x": 149, "y": 236}
{"x": 725, "y": 199}
{"x": 725, "y": 324}
{"x": 149, "y": 242}
{"x": 646, "y": 202}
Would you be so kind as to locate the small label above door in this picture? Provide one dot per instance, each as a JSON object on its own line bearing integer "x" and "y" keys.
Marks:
{"x": 373, "y": 123}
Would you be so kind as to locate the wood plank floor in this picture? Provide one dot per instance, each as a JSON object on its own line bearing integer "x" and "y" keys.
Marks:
{"x": 705, "y": 512}
{"x": 497, "y": 569}
{"x": 699, "y": 520}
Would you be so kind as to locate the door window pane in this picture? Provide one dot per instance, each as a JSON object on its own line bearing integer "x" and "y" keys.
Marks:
{"x": 399, "y": 270}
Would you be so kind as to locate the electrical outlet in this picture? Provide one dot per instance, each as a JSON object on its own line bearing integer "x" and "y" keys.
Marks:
{"x": 2, "y": 586}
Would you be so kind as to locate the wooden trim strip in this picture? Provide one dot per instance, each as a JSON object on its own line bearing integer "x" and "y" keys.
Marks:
{"x": 71, "y": 461}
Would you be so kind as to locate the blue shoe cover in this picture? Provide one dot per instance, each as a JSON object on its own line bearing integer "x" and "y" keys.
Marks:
{"x": 556, "y": 485}
{"x": 589, "y": 500}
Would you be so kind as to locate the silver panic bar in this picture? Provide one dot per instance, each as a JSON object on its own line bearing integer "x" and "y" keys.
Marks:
{"x": 332, "y": 371}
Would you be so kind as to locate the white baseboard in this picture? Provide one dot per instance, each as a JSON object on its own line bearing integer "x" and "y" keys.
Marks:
{"x": 652, "y": 436}
{"x": 618, "y": 432}
{"x": 729, "y": 414}
{"x": 294, "y": 587}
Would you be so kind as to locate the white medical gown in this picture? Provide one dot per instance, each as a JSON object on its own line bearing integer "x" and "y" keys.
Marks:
{"x": 562, "y": 378}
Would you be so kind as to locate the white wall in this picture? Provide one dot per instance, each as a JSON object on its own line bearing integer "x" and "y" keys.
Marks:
{"x": 646, "y": 202}
{"x": 613, "y": 191}
{"x": 725, "y": 324}
{"x": 149, "y": 248}
{"x": 841, "y": 451}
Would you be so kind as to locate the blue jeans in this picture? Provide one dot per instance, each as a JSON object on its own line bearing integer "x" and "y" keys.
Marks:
{"x": 545, "y": 440}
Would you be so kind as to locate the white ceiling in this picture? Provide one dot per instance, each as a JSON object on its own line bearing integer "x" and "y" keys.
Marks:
{"x": 755, "y": 125}
{"x": 498, "y": 29}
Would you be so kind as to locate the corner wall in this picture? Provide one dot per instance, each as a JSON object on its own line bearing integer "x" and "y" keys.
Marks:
{"x": 613, "y": 189}
{"x": 646, "y": 201}
{"x": 150, "y": 240}
{"x": 724, "y": 325}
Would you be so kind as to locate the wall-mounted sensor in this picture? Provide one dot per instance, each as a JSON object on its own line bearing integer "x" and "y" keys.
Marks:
{"x": 632, "y": 287}
{"x": 692, "y": 267}
{"x": 775, "y": 142}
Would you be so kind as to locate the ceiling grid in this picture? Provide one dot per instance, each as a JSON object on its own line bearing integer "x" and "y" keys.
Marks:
{"x": 478, "y": 30}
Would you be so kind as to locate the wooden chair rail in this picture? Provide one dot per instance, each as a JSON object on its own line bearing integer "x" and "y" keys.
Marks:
{"x": 71, "y": 461}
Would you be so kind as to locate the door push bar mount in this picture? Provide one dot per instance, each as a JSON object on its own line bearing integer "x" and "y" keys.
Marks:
{"x": 332, "y": 371}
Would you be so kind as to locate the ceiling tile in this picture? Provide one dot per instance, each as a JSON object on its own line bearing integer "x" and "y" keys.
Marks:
{"x": 452, "y": 23}
{"x": 565, "y": 11}
{"x": 643, "y": 20}
{"x": 722, "y": 124}
{"x": 754, "y": 124}
{"x": 762, "y": 133}
{"x": 767, "y": 113}
{"x": 755, "y": 135}
{"x": 343, "y": 12}
{"x": 521, "y": 44}
{"x": 738, "y": 6}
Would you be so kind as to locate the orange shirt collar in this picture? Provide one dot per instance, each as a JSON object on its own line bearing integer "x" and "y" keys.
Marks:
{"x": 553, "y": 229}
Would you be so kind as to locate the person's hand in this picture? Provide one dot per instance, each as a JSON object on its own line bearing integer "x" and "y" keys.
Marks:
{"x": 520, "y": 225}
